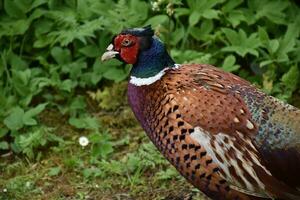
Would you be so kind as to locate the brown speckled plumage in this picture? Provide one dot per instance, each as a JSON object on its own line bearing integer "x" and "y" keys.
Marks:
{"x": 204, "y": 97}
{"x": 222, "y": 134}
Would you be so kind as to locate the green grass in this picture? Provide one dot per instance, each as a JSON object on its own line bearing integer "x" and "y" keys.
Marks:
{"x": 125, "y": 166}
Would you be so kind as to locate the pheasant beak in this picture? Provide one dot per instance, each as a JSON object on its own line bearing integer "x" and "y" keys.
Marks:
{"x": 109, "y": 54}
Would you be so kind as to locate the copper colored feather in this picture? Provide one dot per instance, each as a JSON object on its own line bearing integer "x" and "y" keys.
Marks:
{"x": 222, "y": 134}
{"x": 226, "y": 159}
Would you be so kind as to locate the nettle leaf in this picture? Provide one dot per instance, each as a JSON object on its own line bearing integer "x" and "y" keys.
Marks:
{"x": 290, "y": 79}
{"x": 190, "y": 56}
{"x": 66, "y": 85}
{"x": 77, "y": 105}
{"x": 14, "y": 27}
{"x": 157, "y": 20}
{"x": 90, "y": 51}
{"x": 235, "y": 17}
{"x": 102, "y": 149}
{"x": 42, "y": 26}
{"x": 28, "y": 117}
{"x": 202, "y": 33}
{"x": 287, "y": 44}
{"x": 13, "y": 9}
{"x": 14, "y": 121}
{"x": 270, "y": 45}
{"x": 177, "y": 35}
{"x": 229, "y": 64}
{"x": 21, "y": 80}
{"x": 211, "y": 14}
{"x": 85, "y": 122}
{"x": 37, "y": 3}
{"x": 194, "y": 18}
{"x": 263, "y": 36}
{"x": 181, "y": 12}
{"x": 83, "y": 9}
{"x": 115, "y": 73}
{"x": 240, "y": 43}
{"x": 76, "y": 68}
{"x": 273, "y": 46}
{"x": 16, "y": 62}
{"x": 273, "y": 10}
{"x": 61, "y": 55}
{"x": 230, "y": 6}
{"x": 231, "y": 35}
{"x": 75, "y": 31}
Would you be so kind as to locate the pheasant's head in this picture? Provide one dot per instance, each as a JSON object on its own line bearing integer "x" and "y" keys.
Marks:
{"x": 127, "y": 45}
{"x": 139, "y": 46}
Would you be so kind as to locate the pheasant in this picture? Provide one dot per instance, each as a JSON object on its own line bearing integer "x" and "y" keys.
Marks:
{"x": 226, "y": 137}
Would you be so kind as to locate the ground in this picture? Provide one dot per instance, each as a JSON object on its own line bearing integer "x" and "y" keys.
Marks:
{"x": 119, "y": 163}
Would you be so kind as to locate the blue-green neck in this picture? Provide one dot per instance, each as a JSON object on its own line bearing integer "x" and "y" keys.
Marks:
{"x": 151, "y": 61}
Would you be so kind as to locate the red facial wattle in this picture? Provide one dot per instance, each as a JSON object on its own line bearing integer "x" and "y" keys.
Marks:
{"x": 128, "y": 53}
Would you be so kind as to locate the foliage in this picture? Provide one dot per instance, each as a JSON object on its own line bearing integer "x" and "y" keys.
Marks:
{"x": 50, "y": 53}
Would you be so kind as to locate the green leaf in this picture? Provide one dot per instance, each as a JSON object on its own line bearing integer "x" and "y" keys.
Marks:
{"x": 14, "y": 27}
{"x": 67, "y": 85}
{"x": 83, "y": 9}
{"x": 14, "y": 121}
{"x": 211, "y": 14}
{"x": 202, "y": 33}
{"x": 177, "y": 35}
{"x": 3, "y": 131}
{"x": 288, "y": 42}
{"x": 167, "y": 174}
{"x": 266, "y": 62}
{"x": 4, "y": 145}
{"x": 61, "y": 56}
{"x": 90, "y": 51}
{"x": 194, "y": 18}
{"x": 115, "y": 74}
{"x": 54, "y": 171}
{"x": 13, "y": 9}
{"x": 235, "y": 17}
{"x": 229, "y": 64}
{"x": 273, "y": 46}
{"x": 273, "y": 10}
{"x": 37, "y": 3}
{"x": 42, "y": 26}
{"x": 231, "y": 5}
{"x": 157, "y": 20}
{"x": 290, "y": 79}
{"x": 231, "y": 35}
{"x": 240, "y": 43}
{"x": 17, "y": 62}
{"x": 85, "y": 122}
{"x": 21, "y": 81}
{"x": 263, "y": 36}
{"x": 28, "y": 117}
{"x": 102, "y": 150}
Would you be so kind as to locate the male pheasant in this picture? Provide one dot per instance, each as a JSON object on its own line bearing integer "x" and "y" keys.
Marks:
{"x": 222, "y": 134}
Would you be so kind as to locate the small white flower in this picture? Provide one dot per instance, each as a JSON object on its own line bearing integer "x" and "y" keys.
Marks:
{"x": 4, "y": 190}
{"x": 155, "y": 6}
{"x": 28, "y": 184}
{"x": 83, "y": 141}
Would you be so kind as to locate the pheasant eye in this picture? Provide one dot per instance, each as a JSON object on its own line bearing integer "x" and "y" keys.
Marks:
{"x": 126, "y": 42}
